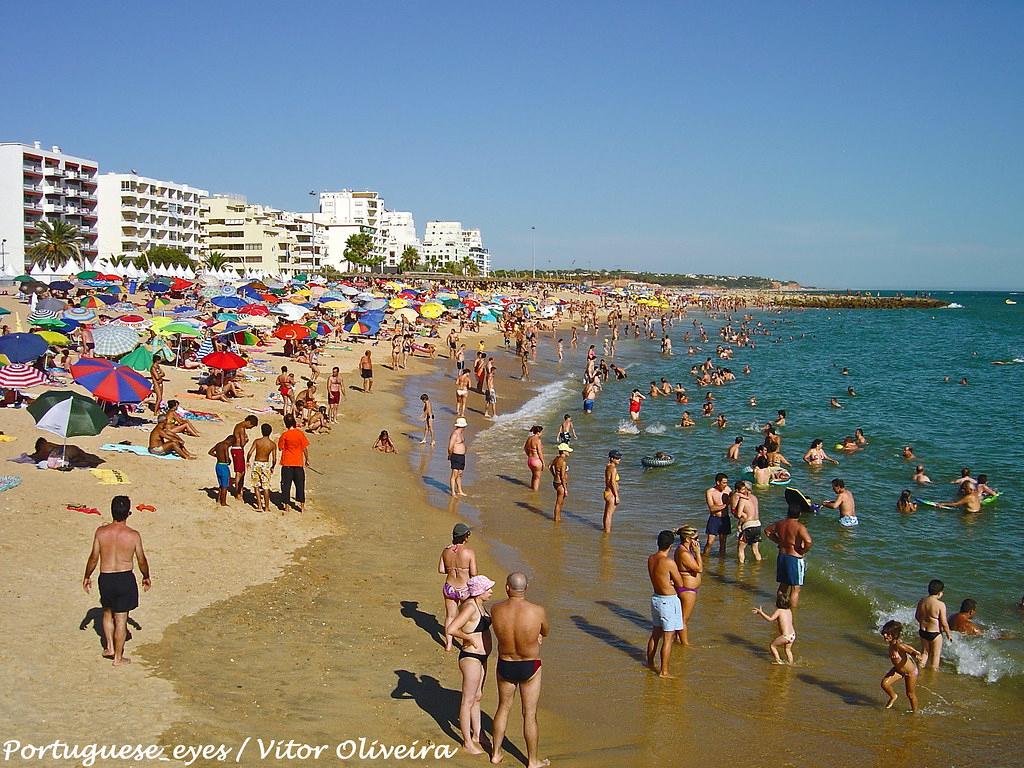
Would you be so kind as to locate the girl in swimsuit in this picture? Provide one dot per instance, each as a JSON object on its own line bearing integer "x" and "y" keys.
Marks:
{"x": 611, "y": 488}
{"x": 816, "y": 455}
{"x": 534, "y": 450}
{"x": 472, "y": 625}
{"x": 691, "y": 566}
{"x": 461, "y": 392}
{"x": 458, "y": 563}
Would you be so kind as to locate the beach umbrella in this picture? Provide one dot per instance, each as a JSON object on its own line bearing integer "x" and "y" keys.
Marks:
{"x": 258, "y": 321}
{"x": 139, "y": 359}
{"x": 432, "y": 310}
{"x": 136, "y": 322}
{"x": 157, "y": 302}
{"x": 68, "y": 414}
{"x": 42, "y": 316}
{"x": 25, "y": 279}
{"x": 79, "y": 314}
{"x": 4, "y": 311}
{"x": 178, "y": 328}
{"x": 22, "y": 347}
{"x": 247, "y": 339}
{"x": 254, "y": 309}
{"x": 51, "y": 305}
{"x": 87, "y": 275}
{"x": 224, "y": 361}
{"x": 408, "y": 314}
{"x": 228, "y": 302}
{"x": 398, "y": 303}
{"x": 21, "y": 376}
{"x": 92, "y": 302}
{"x": 114, "y": 340}
{"x": 362, "y": 328}
{"x": 320, "y": 327}
{"x": 54, "y": 338}
{"x": 292, "y": 332}
{"x": 47, "y": 322}
{"x": 158, "y": 287}
{"x": 111, "y": 382}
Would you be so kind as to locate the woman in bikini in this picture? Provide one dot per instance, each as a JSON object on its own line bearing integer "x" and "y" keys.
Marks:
{"x": 534, "y": 450}
{"x": 462, "y": 382}
{"x": 691, "y": 566}
{"x": 611, "y": 488}
{"x": 458, "y": 563}
{"x": 816, "y": 455}
{"x": 472, "y": 625}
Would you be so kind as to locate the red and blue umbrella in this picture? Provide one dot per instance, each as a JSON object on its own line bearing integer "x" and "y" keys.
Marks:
{"x": 111, "y": 382}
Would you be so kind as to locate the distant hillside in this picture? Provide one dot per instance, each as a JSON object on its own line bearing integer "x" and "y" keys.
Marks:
{"x": 659, "y": 278}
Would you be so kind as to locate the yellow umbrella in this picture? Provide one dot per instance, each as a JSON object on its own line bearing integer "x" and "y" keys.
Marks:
{"x": 398, "y": 303}
{"x": 160, "y": 321}
{"x": 338, "y": 305}
{"x": 432, "y": 310}
{"x": 52, "y": 337}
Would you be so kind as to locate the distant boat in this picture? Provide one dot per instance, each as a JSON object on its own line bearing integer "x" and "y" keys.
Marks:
{"x": 1010, "y": 301}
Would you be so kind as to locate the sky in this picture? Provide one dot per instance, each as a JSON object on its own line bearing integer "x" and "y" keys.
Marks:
{"x": 844, "y": 145}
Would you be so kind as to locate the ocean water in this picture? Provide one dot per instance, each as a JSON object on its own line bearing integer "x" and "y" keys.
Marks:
{"x": 596, "y": 586}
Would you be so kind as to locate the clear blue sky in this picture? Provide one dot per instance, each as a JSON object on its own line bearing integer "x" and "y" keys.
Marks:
{"x": 839, "y": 144}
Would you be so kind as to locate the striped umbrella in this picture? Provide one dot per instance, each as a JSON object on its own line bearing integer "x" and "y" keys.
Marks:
{"x": 114, "y": 340}
{"x": 360, "y": 328}
{"x": 40, "y": 316}
{"x": 68, "y": 414}
{"x": 80, "y": 314}
{"x": 21, "y": 376}
{"x": 22, "y": 347}
{"x": 246, "y": 339}
{"x": 111, "y": 382}
{"x": 92, "y": 302}
{"x": 320, "y": 327}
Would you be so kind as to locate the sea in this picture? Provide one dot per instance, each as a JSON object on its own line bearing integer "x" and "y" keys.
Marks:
{"x": 905, "y": 366}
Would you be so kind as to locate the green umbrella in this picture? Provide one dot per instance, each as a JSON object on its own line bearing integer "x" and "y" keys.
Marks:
{"x": 68, "y": 414}
{"x": 49, "y": 322}
{"x": 139, "y": 359}
{"x": 87, "y": 275}
{"x": 24, "y": 279}
{"x": 180, "y": 328}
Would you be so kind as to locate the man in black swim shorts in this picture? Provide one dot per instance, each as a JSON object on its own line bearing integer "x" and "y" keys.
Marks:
{"x": 116, "y": 547}
{"x": 519, "y": 627}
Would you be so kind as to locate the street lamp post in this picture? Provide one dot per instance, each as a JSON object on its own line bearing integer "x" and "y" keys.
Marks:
{"x": 533, "y": 249}
{"x": 3, "y": 254}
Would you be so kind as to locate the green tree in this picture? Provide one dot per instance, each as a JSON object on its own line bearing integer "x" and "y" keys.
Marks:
{"x": 216, "y": 260}
{"x": 54, "y": 244}
{"x": 329, "y": 273}
{"x": 410, "y": 260}
{"x": 168, "y": 256}
{"x": 468, "y": 267}
{"x": 359, "y": 251}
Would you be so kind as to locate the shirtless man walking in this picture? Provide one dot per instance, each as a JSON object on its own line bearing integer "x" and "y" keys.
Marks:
{"x": 932, "y": 624}
{"x": 457, "y": 456}
{"x": 666, "y": 610}
{"x": 116, "y": 547}
{"x": 519, "y": 627}
{"x": 718, "y": 526}
{"x": 263, "y": 458}
{"x": 794, "y": 542}
{"x": 335, "y": 391}
{"x": 237, "y": 452}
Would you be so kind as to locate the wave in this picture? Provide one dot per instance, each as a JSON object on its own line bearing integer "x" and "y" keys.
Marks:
{"x": 627, "y": 427}
{"x": 533, "y": 410}
{"x": 953, "y": 305}
{"x": 974, "y": 656}
{"x": 656, "y": 429}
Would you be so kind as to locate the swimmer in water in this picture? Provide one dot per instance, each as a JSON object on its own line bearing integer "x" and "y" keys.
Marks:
{"x": 781, "y": 420}
{"x": 919, "y": 476}
{"x": 733, "y": 454}
{"x": 905, "y": 503}
{"x": 816, "y": 455}
{"x": 835, "y": 403}
{"x": 851, "y": 392}
{"x": 858, "y": 435}
{"x": 908, "y": 453}
{"x": 686, "y": 421}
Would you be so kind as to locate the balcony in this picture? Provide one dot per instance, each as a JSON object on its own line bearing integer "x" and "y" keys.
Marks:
{"x": 32, "y": 170}
{"x": 33, "y": 189}
{"x": 33, "y": 207}
{"x": 89, "y": 213}
{"x": 53, "y": 170}
{"x": 87, "y": 195}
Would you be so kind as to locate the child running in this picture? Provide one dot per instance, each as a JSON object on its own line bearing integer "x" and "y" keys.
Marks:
{"x": 783, "y": 618}
{"x": 902, "y": 665}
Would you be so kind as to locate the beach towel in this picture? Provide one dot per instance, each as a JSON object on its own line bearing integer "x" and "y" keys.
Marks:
{"x": 9, "y": 481}
{"x": 6, "y": 438}
{"x": 138, "y": 450}
{"x": 201, "y": 416}
{"x": 111, "y": 477}
{"x": 247, "y": 409}
{"x": 83, "y": 509}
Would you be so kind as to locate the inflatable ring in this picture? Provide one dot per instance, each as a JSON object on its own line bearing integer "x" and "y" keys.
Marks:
{"x": 654, "y": 461}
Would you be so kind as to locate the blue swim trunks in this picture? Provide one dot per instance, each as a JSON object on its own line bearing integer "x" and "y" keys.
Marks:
{"x": 223, "y": 475}
{"x": 789, "y": 570}
{"x": 588, "y": 405}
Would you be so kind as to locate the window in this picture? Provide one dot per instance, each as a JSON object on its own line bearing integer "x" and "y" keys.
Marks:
{"x": 254, "y": 246}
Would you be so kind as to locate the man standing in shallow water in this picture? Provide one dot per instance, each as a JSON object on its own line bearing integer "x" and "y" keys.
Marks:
{"x": 115, "y": 547}
{"x": 666, "y": 609}
{"x": 519, "y": 627}
{"x": 794, "y": 542}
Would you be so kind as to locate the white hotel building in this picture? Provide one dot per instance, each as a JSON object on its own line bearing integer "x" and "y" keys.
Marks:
{"x": 137, "y": 213}
{"x": 446, "y": 242}
{"x": 39, "y": 184}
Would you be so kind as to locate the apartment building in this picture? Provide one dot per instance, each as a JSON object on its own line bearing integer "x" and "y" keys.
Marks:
{"x": 400, "y": 233}
{"x": 348, "y": 212}
{"x": 137, "y": 213}
{"x": 446, "y": 242}
{"x": 251, "y": 237}
{"x": 39, "y": 184}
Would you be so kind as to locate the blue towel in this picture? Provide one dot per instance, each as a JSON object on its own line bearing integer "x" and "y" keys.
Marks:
{"x": 139, "y": 450}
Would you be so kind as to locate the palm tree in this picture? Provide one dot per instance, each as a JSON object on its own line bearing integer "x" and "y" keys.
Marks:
{"x": 359, "y": 250}
{"x": 469, "y": 267}
{"x": 410, "y": 260}
{"x": 216, "y": 260}
{"x": 54, "y": 244}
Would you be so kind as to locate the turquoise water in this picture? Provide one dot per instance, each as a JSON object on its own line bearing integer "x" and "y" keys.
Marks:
{"x": 897, "y": 361}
